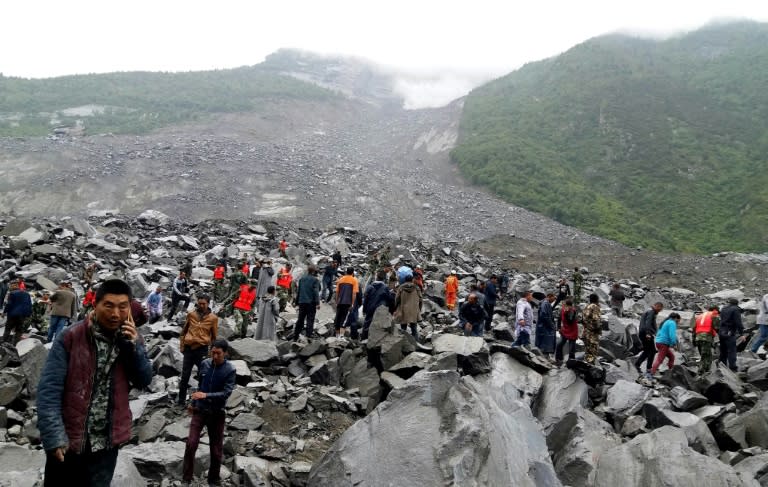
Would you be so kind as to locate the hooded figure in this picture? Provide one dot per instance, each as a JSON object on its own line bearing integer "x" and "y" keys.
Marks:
{"x": 269, "y": 312}
{"x": 408, "y": 302}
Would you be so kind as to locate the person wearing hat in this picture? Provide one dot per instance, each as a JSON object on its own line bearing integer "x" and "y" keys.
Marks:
{"x": 705, "y": 332}
{"x": 63, "y": 309}
{"x": 451, "y": 290}
{"x": 731, "y": 328}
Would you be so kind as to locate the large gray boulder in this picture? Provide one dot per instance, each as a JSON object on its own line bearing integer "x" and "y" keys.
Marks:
{"x": 441, "y": 429}
{"x": 562, "y": 392}
{"x": 757, "y": 375}
{"x": 20, "y": 466}
{"x": 626, "y": 397}
{"x": 699, "y": 436}
{"x": 253, "y": 351}
{"x": 577, "y": 442}
{"x": 126, "y": 473}
{"x": 516, "y": 379}
{"x": 162, "y": 459}
{"x": 663, "y": 458}
{"x": 32, "y": 354}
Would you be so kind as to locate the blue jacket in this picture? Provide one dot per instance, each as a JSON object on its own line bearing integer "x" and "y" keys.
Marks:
{"x": 377, "y": 294}
{"x": 217, "y": 382}
{"x": 490, "y": 293}
{"x": 546, "y": 317}
{"x": 308, "y": 290}
{"x": 19, "y": 304}
{"x": 667, "y": 334}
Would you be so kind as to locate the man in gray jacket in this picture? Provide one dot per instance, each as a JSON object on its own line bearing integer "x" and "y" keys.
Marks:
{"x": 63, "y": 308}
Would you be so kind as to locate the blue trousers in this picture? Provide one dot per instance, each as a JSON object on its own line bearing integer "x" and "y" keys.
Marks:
{"x": 761, "y": 339}
{"x": 57, "y": 324}
{"x": 523, "y": 339}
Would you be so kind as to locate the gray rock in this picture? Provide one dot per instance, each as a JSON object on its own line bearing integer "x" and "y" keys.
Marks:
{"x": 721, "y": 385}
{"x": 32, "y": 235}
{"x": 46, "y": 283}
{"x": 577, "y": 442}
{"x": 10, "y": 387}
{"x": 178, "y": 430}
{"x": 391, "y": 380}
{"x": 709, "y": 413}
{"x": 517, "y": 380}
{"x": 686, "y": 400}
{"x": 633, "y": 426}
{"x": 696, "y": 430}
{"x": 562, "y": 391}
{"x": 150, "y": 430}
{"x": 114, "y": 250}
{"x": 416, "y": 430}
{"x": 246, "y": 422}
{"x": 411, "y": 364}
{"x": 652, "y": 459}
{"x": 755, "y": 467}
{"x": 255, "y": 352}
{"x": 170, "y": 360}
{"x": 444, "y": 361}
{"x": 320, "y": 374}
{"x": 162, "y": 459}
{"x": 503, "y": 331}
{"x": 626, "y": 398}
{"x": 32, "y": 354}
{"x": 366, "y": 379}
{"x": 242, "y": 371}
{"x": 460, "y": 345}
{"x": 20, "y": 466}
{"x": 298, "y": 404}
{"x": 126, "y": 474}
{"x": 757, "y": 375}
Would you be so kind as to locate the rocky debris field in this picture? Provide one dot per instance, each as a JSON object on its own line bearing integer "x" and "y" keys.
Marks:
{"x": 442, "y": 410}
{"x": 383, "y": 171}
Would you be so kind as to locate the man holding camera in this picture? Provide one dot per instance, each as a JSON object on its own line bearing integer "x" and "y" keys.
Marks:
{"x": 82, "y": 399}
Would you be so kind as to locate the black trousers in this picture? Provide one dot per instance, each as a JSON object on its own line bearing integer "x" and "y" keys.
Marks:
{"x": 649, "y": 351}
{"x": 571, "y": 348}
{"x": 728, "y": 351}
{"x": 307, "y": 313}
{"x": 342, "y": 310}
{"x": 192, "y": 357}
{"x": 175, "y": 300}
{"x": 89, "y": 469}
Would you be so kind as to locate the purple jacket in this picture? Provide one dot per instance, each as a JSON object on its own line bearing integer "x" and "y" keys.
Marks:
{"x": 66, "y": 385}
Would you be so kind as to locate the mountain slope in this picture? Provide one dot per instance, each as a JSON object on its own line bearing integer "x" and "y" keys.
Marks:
{"x": 658, "y": 144}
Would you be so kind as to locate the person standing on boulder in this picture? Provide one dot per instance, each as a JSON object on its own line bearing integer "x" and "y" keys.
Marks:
{"x": 647, "y": 334}
{"x": 617, "y": 300}
{"x": 218, "y": 282}
{"x": 545, "y": 327}
{"x": 376, "y": 294}
{"x": 346, "y": 293}
{"x": 217, "y": 381}
{"x": 269, "y": 313}
{"x": 762, "y": 322}
{"x": 155, "y": 305}
{"x": 64, "y": 307}
{"x": 283, "y": 247}
{"x": 243, "y": 307}
{"x": 329, "y": 275}
{"x": 308, "y": 300}
{"x": 705, "y": 332}
{"x": 199, "y": 332}
{"x": 731, "y": 328}
{"x": 284, "y": 281}
{"x": 490, "y": 298}
{"x": 666, "y": 340}
{"x": 563, "y": 291}
{"x": 408, "y": 301}
{"x": 265, "y": 281}
{"x": 578, "y": 282}
{"x": 451, "y": 290}
{"x": 472, "y": 316}
{"x": 523, "y": 320}
{"x": 179, "y": 294}
{"x": 593, "y": 327}
{"x": 82, "y": 399}
{"x": 569, "y": 331}
{"x": 17, "y": 309}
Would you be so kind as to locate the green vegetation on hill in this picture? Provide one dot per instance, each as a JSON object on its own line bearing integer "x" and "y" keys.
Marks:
{"x": 140, "y": 101}
{"x": 660, "y": 144}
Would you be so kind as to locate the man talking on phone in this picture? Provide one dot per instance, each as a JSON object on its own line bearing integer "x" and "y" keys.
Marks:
{"x": 82, "y": 399}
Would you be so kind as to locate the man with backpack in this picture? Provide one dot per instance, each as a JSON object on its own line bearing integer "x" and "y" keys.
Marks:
{"x": 179, "y": 294}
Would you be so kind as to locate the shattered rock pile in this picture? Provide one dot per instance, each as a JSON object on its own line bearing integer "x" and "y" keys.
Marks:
{"x": 393, "y": 410}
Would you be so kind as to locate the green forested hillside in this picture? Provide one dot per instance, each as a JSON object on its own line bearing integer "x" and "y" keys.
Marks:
{"x": 662, "y": 144}
{"x": 140, "y": 101}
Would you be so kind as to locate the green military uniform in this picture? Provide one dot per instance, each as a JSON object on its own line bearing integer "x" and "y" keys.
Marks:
{"x": 37, "y": 318}
{"x": 592, "y": 331}
{"x": 704, "y": 343}
{"x": 578, "y": 281}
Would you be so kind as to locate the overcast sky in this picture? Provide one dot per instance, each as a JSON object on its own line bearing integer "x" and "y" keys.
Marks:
{"x": 459, "y": 41}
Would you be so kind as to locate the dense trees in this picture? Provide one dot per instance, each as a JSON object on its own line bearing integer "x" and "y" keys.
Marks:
{"x": 658, "y": 144}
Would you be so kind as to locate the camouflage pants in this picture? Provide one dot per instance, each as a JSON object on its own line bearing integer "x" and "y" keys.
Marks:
{"x": 219, "y": 290}
{"x": 576, "y": 294}
{"x": 283, "y": 296}
{"x": 592, "y": 346}
{"x": 242, "y": 320}
{"x": 705, "y": 350}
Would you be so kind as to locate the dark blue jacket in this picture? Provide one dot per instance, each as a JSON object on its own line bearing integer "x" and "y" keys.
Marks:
{"x": 377, "y": 294}
{"x": 730, "y": 321}
{"x": 19, "y": 304}
{"x": 308, "y": 290}
{"x": 490, "y": 293}
{"x": 217, "y": 382}
{"x": 546, "y": 317}
{"x": 472, "y": 313}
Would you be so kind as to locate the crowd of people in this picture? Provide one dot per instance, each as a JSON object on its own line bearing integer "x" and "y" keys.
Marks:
{"x": 82, "y": 427}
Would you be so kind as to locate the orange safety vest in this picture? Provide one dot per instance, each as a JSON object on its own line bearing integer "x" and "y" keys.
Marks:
{"x": 283, "y": 245}
{"x": 452, "y": 284}
{"x": 246, "y": 269}
{"x": 284, "y": 278}
{"x": 246, "y": 298}
{"x": 218, "y": 273}
{"x": 704, "y": 323}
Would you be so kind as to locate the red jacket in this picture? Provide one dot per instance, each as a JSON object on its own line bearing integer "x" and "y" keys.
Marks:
{"x": 284, "y": 278}
{"x": 246, "y": 298}
{"x": 569, "y": 329}
{"x": 66, "y": 386}
{"x": 218, "y": 273}
{"x": 89, "y": 299}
